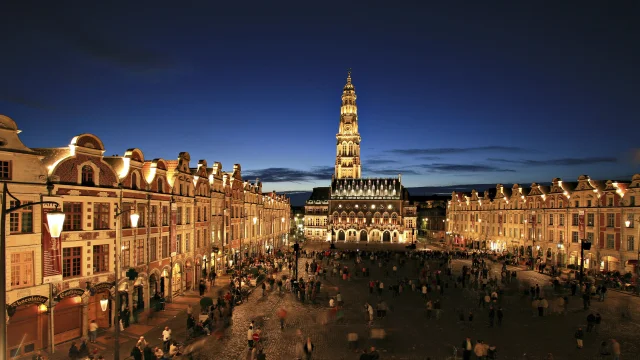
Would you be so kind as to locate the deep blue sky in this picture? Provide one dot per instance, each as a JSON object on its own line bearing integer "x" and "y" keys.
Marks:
{"x": 448, "y": 92}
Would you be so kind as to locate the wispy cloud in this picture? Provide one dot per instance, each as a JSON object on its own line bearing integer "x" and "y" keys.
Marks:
{"x": 24, "y": 101}
{"x": 462, "y": 168}
{"x": 290, "y": 175}
{"x": 379, "y": 161}
{"x": 557, "y": 162}
{"x": 392, "y": 172}
{"x": 458, "y": 150}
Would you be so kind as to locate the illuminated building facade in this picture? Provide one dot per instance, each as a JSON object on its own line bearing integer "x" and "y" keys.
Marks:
{"x": 192, "y": 220}
{"x": 548, "y": 222}
{"x": 353, "y": 208}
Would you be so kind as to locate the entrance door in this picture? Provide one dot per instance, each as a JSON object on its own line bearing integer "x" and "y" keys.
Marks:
{"x": 67, "y": 320}
{"x": 386, "y": 237}
{"x": 341, "y": 235}
{"x": 176, "y": 280}
{"x": 102, "y": 318}
{"x": 23, "y": 333}
{"x": 363, "y": 235}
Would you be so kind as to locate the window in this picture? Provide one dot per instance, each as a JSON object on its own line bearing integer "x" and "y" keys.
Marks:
{"x": 610, "y": 241}
{"x": 197, "y": 239}
{"x": 632, "y": 201}
{"x": 589, "y": 203}
{"x": 575, "y": 219}
{"x": 87, "y": 176}
{"x": 590, "y": 237}
{"x": 134, "y": 181}
{"x": 141, "y": 212}
{"x": 22, "y": 269}
{"x": 153, "y": 249}
{"x": 560, "y": 204}
{"x": 630, "y": 243}
{"x": 126, "y": 251}
{"x": 153, "y": 216}
{"x": 550, "y": 235}
{"x": 561, "y": 219}
{"x": 611, "y": 218}
{"x": 188, "y": 215}
{"x": 179, "y": 216}
{"x": 550, "y": 219}
{"x": 198, "y": 214}
{"x": 165, "y": 247}
{"x": 590, "y": 219}
{"x": 21, "y": 221}
{"x": 631, "y": 220}
{"x": 73, "y": 216}
{"x": 165, "y": 215}
{"x": 100, "y": 216}
{"x": 127, "y": 209}
{"x": 160, "y": 186}
{"x": 179, "y": 244}
{"x": 610, "y": 201}
{"x": 100, "y": 258}
{"x": 561, "y": 236}
{"x": 5, "y": 170}
{"x": 71, "y": 261}
{"x": 139, "y": 251}
{"x": 574, "y": 237}
{"x": 187, "y": 242}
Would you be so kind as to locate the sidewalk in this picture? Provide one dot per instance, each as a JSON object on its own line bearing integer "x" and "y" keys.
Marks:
{"x": 151, "y": 328}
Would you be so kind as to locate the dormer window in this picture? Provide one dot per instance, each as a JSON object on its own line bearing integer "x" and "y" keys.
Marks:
{"x": 160, "y": 186}
{"x": 134, "y": 181}
{"x": 87, "y": 176}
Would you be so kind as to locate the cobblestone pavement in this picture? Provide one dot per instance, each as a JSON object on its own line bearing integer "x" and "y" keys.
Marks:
{"x": 410, "y": 335}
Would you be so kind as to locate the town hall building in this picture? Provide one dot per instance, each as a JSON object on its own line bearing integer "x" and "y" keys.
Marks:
{"x": 353, "y": 208}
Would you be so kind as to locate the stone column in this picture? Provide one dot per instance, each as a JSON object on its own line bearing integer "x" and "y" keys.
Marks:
{"x": 130, "y": 296}
{"x": 85, "y": 315}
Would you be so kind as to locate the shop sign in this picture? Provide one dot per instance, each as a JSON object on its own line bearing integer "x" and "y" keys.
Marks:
{"x": 102, "y": 286}
{"x": 33, "y": 299}
{"x": 70, "y": 293}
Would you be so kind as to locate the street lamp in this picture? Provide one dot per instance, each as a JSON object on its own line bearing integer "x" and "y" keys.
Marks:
{"x": 134, "y": 217}
{"x": 55, "y": 221}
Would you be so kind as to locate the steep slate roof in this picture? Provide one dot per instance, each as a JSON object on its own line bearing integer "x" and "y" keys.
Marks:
{"x": 320, "y": 193}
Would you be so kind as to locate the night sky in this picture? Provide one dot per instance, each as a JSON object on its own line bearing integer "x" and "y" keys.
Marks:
{"x": 448, "y": 92}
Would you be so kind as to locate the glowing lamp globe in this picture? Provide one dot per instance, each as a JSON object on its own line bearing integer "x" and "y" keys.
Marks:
{"x": 55, "y": 220}
{"x": 134, "y": 220}
{"x": 103, "y": 304}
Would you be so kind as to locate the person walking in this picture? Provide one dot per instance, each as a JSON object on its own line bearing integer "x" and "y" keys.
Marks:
{"x": 579, "y": 335}
{"x": 250, "y": 337}
{"x": 308, "y": 348}
{"x": 467, "y": 347}
{"x": 615, "y": 349}
{"x": 166, "y": 339}
{"x": 93, "y": 331}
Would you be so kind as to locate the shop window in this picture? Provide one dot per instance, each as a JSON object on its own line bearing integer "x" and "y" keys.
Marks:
{"x": 73, "y": 216}
{"x": 101, "y": 216}
{"x": 100, "y": 258}
{"x": 22, "y": 269}
{"x": 72, "y": 262}
{"x": 21, "y": 221}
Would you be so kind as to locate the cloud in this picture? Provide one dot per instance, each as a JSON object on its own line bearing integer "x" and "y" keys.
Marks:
{"x": 558, "y": 162}
{"x": 462, "y": 168}
{"x": 380, "y": 161}
{"x": 20, "y": 100}
{"x": 290, "y": 175}
{"x": 392, "y": 172}
{"x": 461, "y": 150}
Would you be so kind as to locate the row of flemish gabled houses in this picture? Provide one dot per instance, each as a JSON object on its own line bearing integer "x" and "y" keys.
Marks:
{"x": 549, "y": 222}
{"x": 192, "y": 220}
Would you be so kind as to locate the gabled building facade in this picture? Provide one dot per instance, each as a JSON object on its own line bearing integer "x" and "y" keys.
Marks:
{"x": 191, "y": 222}
{"x": 548, "y": 223}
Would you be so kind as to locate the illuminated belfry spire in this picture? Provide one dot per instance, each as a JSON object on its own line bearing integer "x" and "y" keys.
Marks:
{"x": 348, "y": 138}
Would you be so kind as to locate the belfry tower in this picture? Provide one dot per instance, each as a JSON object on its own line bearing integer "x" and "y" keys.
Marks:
{"x": 348, "y": 139}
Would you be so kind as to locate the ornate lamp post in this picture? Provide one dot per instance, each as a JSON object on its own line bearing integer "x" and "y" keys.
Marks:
{"x": 55, "y": 220}
{"x": 134, "y": 224}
